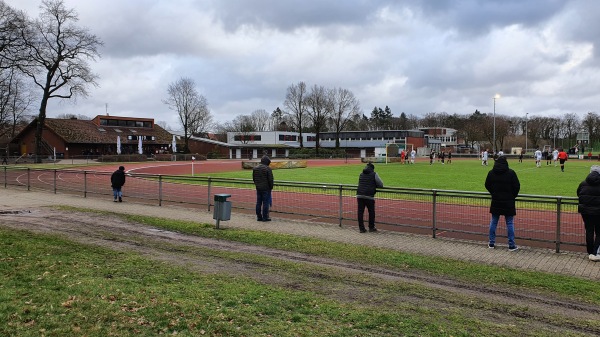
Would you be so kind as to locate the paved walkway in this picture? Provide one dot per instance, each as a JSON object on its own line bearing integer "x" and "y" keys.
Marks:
{"x": 526, "y": 258}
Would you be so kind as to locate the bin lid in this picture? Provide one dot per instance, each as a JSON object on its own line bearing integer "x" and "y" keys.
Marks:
{"x": 222, "y": 197}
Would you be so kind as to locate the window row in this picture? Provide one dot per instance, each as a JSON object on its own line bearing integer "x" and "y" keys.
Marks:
{"x": 128, "y": 123}
{"x": 134, "y": 137}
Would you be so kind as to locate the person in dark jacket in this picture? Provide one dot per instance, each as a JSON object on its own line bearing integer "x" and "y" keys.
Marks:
{"x": 262, "y": 175}
{"x": 589, "y": 207}
{"x": 368, "y": 182}
{"x": 504, "y": 186}
{"x": 117, "y": 181}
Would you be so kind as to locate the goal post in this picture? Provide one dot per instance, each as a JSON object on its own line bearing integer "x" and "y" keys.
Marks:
{"x": 392, "y": 150}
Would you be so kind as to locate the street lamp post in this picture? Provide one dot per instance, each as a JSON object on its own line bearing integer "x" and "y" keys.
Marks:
{"x": 494, "y": 145}
{"x": 526, "y": 119}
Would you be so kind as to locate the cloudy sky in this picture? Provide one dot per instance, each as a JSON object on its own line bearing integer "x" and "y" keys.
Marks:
{"x": 414, "y": 56}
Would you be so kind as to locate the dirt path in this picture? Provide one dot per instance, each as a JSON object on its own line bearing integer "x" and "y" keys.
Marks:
{"x": 407, "y": 290}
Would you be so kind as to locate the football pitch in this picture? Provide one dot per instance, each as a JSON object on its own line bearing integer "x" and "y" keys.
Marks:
{"x": 461, "y": 175}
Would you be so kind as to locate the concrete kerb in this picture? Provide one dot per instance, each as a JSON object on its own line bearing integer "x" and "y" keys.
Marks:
{"x": 526, "y": 258}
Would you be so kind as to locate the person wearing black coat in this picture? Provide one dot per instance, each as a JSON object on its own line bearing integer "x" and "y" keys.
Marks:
{"x": 262, "y": 175}
{"x": 117, "y": 180}
{"x": 589, "y": 207}
{"x": 368, "y": 182}
{"x": 504, "y": 186}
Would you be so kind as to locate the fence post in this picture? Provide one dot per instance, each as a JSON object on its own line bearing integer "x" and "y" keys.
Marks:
{"x": 85, "y": 184}
{"x": 433, "y": 220}
{"x": 341, "y": 210}
{"x": 159, "y": 190}
{"x": 55, "y": 181}
{"x": 28, "y": 178}
{"x": 208, "y": 196}
{"x": 558, "y": 209}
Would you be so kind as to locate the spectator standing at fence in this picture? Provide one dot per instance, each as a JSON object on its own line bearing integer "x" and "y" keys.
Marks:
{"x": 368, "y": 182}
{"x": 449, "y": 156}
{"x": 4, "y": 159}
{"x": 503, "y": 184}
{"x": 562, "y": 158}
{"x": 588, "y": 193}
{"x": 117, "y": 180}
{"x": 262, "y": 175}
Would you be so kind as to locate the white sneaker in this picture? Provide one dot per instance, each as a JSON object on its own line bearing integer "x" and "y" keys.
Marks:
{"x": 594, "y": 258}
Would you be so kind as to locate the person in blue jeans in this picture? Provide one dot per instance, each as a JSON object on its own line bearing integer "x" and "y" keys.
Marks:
{"x": 262, "y": 175}
{"x": 117, "y": 180}
{"x": 503, "y": 184}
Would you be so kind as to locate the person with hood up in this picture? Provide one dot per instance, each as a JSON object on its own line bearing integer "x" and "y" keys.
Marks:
{"x": 504, "y": 186}
{"x": 368, "y": 182}
{"x": 588, "y": 193}
{"x": 117, "y": 181}
{"x": 262, "y": 175}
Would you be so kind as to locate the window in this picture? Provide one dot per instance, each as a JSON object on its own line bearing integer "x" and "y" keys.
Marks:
{"x": 311, "y": 138}
{"x": 288, "y": 138}
{"x": 247, "y": 138}
{"x": 103, "y": 122}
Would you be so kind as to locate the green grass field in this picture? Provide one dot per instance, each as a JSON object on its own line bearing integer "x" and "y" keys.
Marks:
{"x": 54, "y": 287}
{"x": 462, "y": 175}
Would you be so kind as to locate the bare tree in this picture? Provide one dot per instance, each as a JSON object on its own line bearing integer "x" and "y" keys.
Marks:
{"x": 261, "y": 120}
{"x": 320, "y": 107}
{"x": 295, "y": 102}
{"x": 58, "y": 52}
{"x": 345, "y": 105}
{"x": 15, "y": 99}
{"x": 13, "y": 30}
{"x": 191, "y": 107}
{"x": 569, "y": 126}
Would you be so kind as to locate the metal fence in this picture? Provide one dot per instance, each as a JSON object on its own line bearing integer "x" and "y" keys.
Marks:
{"x": 543, "y": 221}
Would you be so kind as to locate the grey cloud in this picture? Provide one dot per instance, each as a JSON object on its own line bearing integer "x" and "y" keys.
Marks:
{"x": 292, "y": 14}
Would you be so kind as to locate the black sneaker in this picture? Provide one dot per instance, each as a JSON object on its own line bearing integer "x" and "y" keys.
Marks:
{"x": 267, "y": 219}
{"x": 258, "y": 219}
{"x": 372, "y": 229}
{"x": 513, "y": 248}
{"x": 491, "y": 246}
{"x": 362, "y": 230}
{"x": 120, "y": 200}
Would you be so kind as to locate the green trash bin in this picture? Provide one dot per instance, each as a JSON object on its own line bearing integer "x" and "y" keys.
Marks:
{"x": 222, "y": 210}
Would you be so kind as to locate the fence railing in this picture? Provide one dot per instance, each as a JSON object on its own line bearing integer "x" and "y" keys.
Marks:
{"x": 544, "y": 221}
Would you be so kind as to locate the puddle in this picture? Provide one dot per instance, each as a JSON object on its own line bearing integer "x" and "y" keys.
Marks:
{"x": 14, "y": 212}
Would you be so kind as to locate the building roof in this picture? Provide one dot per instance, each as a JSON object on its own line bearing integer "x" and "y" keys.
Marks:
{"x": 87, "y": 132}
{"x": 181, "y": 134}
